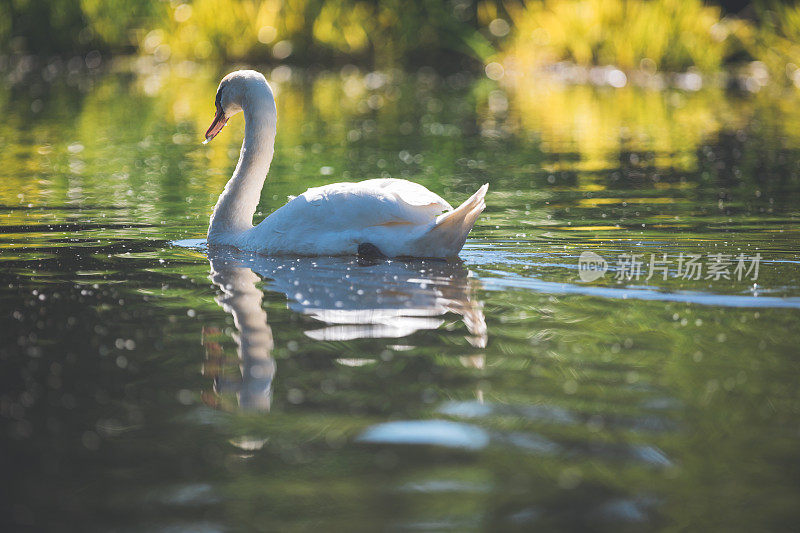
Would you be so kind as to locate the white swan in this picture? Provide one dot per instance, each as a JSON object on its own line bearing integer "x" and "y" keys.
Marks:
{"x": 390, "y": 217}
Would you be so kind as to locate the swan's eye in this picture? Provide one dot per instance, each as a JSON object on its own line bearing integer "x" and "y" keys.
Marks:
{"x": 218, "y": 99}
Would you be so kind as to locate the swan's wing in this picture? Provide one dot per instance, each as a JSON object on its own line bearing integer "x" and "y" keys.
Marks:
{"x": 370, "y": 203}
{"x": 409, "y": 192}
{"x": 335, "y": 218}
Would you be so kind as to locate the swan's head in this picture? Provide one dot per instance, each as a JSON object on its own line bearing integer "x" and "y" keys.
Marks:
{"x": 237, "y": 91}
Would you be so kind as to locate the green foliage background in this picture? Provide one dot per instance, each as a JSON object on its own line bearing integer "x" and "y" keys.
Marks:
{"x": 667, "y": 35}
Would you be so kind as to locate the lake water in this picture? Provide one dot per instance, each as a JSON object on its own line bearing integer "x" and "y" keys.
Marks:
{"x": 505, "y": 392}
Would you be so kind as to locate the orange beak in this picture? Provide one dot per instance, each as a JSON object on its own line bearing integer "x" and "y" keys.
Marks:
{"x": 219, "y": 122}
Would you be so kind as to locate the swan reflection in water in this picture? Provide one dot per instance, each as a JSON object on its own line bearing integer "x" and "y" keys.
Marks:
{"x": 352, "y": 299}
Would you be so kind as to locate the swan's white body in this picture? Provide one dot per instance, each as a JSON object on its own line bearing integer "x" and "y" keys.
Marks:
{"x": 398, "y": 217}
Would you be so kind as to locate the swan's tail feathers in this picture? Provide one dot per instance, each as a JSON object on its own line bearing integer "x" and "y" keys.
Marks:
{"x": 446, "y": 238}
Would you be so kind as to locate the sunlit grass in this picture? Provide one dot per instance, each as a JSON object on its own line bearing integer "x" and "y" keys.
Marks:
{"x": 632, "y": 35}
{"x": 777, "y": 41}
{"x": 224, "y": 29}
{"x": 386, "y": 32}
{"x": 670, "y": 35}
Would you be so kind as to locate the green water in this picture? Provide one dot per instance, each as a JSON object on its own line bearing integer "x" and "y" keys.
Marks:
{"x": 498, "y": 393}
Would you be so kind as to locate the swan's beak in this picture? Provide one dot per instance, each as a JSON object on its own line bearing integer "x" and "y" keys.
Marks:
{"x": 219, "y": 122}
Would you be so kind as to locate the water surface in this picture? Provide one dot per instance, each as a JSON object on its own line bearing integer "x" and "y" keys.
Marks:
{"x": 153, "y": 384}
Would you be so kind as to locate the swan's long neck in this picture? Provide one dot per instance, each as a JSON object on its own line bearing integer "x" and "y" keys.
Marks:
{"x": 237, "y": 204}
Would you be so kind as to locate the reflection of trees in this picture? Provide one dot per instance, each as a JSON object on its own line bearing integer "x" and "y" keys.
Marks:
{"x": 144, "y": 156}
{"x": 599, "y": 125}
{"x": 352, "y": 300}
